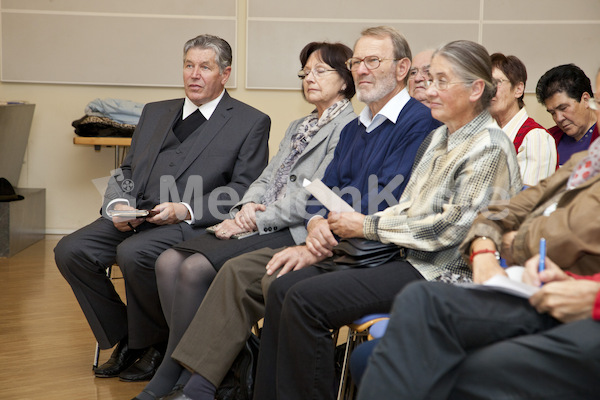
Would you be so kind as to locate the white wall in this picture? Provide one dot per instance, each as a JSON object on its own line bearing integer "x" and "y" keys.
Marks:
{"x": 66, "y": 170}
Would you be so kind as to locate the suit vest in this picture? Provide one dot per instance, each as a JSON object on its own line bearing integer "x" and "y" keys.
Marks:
{"x": 168, "y": 161}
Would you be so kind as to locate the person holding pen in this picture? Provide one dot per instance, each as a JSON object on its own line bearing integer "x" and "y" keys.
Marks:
{"x": 475, "y": 344}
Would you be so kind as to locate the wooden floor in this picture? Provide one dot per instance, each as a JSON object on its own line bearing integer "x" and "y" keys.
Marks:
{"x": 46, "y": 346}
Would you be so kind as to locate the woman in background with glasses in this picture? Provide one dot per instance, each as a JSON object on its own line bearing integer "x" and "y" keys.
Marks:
{"x": 273, "y": 207}
{"x": 536, "y": 149}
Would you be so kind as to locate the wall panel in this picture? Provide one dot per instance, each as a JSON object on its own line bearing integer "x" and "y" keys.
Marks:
{"x": 107, "y": 42}
{"x": 543, "y": 33}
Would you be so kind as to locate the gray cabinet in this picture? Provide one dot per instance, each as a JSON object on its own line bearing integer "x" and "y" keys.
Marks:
{"x": 22, "y": 222}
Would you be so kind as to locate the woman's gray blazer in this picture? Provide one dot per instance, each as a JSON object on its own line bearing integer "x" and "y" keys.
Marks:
{"x": 290, "y": 211}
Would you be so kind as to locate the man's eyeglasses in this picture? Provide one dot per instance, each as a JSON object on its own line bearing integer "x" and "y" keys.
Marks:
{"x": 317, "y": 72}
{"x": 371, "y": 62}
{"x": 440, "y": 84}
{"x": 499, "y": 82}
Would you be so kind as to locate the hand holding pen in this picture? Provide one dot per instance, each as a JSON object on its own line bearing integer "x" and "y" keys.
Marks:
{"x": 550, "y": 273}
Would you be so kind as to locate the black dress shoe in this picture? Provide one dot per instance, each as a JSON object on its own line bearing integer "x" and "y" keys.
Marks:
{"x": 121, "y": 358}
{"x": 176, "y": 395}
{"x": 144, "y": 368}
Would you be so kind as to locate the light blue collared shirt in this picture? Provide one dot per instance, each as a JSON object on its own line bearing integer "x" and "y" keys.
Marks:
{"x": 390, "y": 111}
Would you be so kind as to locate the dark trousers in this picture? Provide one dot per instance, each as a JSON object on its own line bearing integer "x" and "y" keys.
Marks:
{"x": 447, "y": 342}
{"x": 82, "y": 258}
{"x": 296, "y": 359}
{"x": 234, "y": 302}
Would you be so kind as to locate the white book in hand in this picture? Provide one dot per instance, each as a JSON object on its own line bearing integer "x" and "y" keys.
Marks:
{"x": 511, "y": 284}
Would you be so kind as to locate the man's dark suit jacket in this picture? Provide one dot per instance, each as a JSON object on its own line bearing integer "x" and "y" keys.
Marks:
{"x": 229, "y": 150}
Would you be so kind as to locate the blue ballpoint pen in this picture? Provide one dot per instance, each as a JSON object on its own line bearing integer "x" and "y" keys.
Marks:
{"x": 542, "y": 262}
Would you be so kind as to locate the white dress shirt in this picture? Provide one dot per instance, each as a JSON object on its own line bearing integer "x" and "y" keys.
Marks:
{"x": 537, "y": 154}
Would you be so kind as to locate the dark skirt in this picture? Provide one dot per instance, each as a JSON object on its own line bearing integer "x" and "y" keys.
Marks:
{"x": 219, "y": 251}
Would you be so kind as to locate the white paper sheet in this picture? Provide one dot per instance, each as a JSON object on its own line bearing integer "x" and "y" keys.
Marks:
{"x": 326, "y": 196}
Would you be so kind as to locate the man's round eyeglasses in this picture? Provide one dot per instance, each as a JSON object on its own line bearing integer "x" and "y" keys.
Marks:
{"x": 371, "y": 62}
{"x": 317, "y": 72}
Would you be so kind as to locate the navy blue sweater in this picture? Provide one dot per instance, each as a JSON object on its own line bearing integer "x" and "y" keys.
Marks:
{"x": 387, "y": 152}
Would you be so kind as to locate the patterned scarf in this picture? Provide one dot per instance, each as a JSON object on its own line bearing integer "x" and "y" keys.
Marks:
{"x": 306, "y": 130}
{"x": 587, "y": 168}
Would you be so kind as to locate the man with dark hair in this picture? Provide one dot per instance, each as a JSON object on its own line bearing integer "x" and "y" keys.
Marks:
{"x": 565, "y": 91}
{"x": 206, "y": 147}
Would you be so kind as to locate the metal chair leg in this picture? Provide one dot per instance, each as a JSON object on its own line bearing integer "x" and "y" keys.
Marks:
{"x": 357, "y": 333}
{"x": 342, "y": 389}
{"x": 96, "y": 356}
{"x": 97, "y": 351}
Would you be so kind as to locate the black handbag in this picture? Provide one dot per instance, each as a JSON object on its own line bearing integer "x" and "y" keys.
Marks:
{"x": 238, "y": 384}
{"x": 357, "y": 252}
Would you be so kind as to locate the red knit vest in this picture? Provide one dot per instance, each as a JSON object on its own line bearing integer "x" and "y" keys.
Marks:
{"x": 528, "y": 125}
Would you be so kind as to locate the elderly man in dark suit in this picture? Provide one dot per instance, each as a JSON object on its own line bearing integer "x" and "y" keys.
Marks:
{"x": 208, "y": 148}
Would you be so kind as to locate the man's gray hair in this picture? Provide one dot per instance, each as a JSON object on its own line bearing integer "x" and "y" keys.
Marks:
{"x": 222, "y": 49}
{"x": 401, "y": 47}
